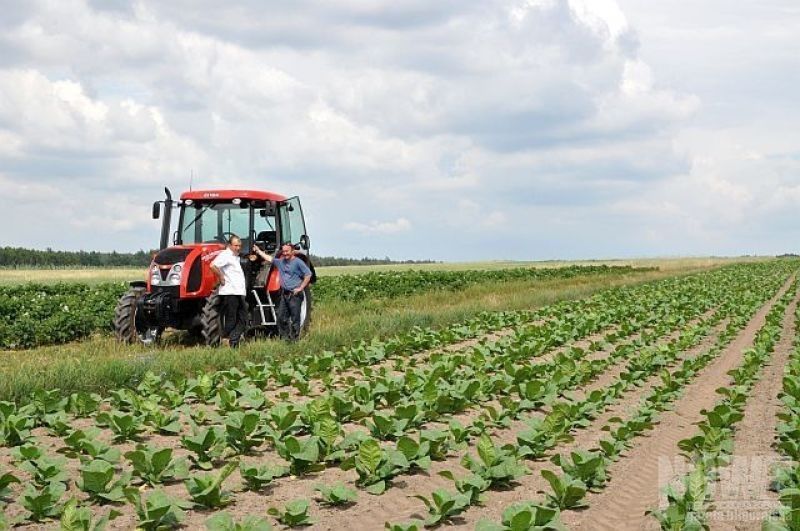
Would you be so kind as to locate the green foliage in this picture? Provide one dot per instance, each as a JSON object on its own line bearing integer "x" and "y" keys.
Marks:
{"x": 376, "y": 466}
{"x": 303, "y": 455}
{"x": 294, "y": 514}
{"x": 256, "y": 477}
{"x": 85, "y": 445}
{"x": 157, "y": 465}
{"x": 42, "y": 502}
{"x": 337, "y": 495}
{"x": 525, "y": 517}
{"x": 223, "y": 521}
{"x": 443, "y": 505}
{"x": 97, "y": 480}
{"x": 157, "y": 510}
{"x": 566, "y": 492}
{"x": 207, "y": 445}
{"x": 126, "y": 426}
{"x": 498, "y": 465}
{"x": 206, "y": 489}
{"x": 77, "y": 518}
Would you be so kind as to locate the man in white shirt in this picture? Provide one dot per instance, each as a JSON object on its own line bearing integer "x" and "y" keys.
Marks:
{"x": 232, "y": 289}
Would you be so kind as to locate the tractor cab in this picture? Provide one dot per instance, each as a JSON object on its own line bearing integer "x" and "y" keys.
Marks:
{"x": 179, "y": 288}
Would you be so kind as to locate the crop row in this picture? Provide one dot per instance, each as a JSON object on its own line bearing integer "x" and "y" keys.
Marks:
{"x": 585, "y": 470}
{"x": 309, "y": 435}
{"x": 786, "y": 476}
{"x": 712, "y": 446}
{"x": 40, "y": 314}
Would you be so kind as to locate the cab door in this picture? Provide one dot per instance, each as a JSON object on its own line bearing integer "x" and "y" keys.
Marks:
{"x": 293, "y": 224}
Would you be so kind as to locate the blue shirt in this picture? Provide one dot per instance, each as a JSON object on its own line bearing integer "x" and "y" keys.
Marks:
{"x": 292, "y": 272}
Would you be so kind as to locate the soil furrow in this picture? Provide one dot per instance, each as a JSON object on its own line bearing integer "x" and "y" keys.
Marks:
{"x": 741, "y": 496}
{"x": 636, "y": 481}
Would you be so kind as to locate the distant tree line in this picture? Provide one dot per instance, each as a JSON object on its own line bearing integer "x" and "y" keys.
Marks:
{"x": 19, "y": 257}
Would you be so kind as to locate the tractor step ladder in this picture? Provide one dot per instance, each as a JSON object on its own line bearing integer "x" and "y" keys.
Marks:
{"x": 271, "y": 309}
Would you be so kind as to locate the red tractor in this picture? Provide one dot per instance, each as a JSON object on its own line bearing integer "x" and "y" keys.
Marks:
{"x": 179, "y": 289}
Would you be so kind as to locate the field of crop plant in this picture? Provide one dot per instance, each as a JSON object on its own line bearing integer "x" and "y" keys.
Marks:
{"x": 666, "y": 401}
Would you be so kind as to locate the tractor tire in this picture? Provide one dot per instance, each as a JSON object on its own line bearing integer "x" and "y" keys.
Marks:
{"x": 126, "y": 329}
{"x": 211, "y": 320}
{"x": 305, "y": 311}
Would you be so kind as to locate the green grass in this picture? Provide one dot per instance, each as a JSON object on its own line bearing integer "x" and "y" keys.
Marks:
{"x": 101, "y": 364}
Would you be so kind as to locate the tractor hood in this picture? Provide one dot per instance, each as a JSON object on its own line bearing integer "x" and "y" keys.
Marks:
{"x": 186, "y": 268}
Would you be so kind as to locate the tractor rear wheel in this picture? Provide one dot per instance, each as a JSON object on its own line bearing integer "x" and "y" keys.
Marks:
{"x": 127, "y": 328}
{"x": 211, "y": 320}
{"x": 305, "y": 311}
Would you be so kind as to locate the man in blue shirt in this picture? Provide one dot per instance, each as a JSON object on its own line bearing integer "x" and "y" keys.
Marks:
{"x": 295, "y": 277}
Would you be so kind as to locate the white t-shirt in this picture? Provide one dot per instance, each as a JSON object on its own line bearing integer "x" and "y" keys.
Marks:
{"x": 232, "y": 273}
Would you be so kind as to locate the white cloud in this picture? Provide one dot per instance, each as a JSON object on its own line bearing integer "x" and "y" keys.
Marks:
{"x": 379, "y": 227}
{"x": 476, "y": 120}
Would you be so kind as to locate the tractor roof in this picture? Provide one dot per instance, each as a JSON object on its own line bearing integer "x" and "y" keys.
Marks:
{"x": 227, "y": 195}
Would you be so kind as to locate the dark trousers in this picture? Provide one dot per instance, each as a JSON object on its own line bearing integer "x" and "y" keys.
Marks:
{"x": 289, "y": 314}
{"x": 234, "y": 311}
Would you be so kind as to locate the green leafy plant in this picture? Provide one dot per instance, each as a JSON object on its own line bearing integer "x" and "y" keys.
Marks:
{"x": 157, "y": 510}
{"x": 43, "y": 502}
{"x": 126, "y": 426}
{"x": 375, "y": 466}
{"x": 443, "y": 505}
{"x": 256, "y": 477}
{"x": 294, "y": 514}
{"x": 589, "y": 467}
{"x": 472, "y": 486}
{"x": 85, "y": 445}
{"x": 244, "y": 431}
{"x": 157, "y": 465}
{"x": 567, "y": 492}
{"x": 207, "y": 445}
{"x": 206, "y": 489}
{"x": 303, "y": 455}
{"x": 97, "y": 480}
{"x": 337, "y": 495}
{"x": 525, "y": 517}
{"x": 224, "y": 522}
{"x": 498, "y": 465}
{"x": 77, "y": 518}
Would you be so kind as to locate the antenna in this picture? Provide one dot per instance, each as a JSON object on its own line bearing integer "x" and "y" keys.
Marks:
{"x": 191, "y": 178}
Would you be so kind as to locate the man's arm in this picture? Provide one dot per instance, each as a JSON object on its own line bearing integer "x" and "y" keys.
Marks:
{"x": 261, "y": 254}
{"x": 218, "y": 274}
{"x": 306, "y": 277}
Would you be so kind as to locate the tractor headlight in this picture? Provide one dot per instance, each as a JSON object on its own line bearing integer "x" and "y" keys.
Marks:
{"x": 174, "y": 275}
{"x": 155, "y": 279}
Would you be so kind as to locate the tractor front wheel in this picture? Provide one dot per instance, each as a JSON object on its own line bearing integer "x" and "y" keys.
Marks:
{"x": 211, "y": 320}
{"x": 129, "y": 329}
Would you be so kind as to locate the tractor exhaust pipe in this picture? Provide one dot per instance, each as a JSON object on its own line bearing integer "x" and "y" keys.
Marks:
{"x": 165, "y": 225}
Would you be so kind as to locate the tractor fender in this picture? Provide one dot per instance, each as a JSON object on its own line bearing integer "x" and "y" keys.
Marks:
{"x": 138, "y": 284}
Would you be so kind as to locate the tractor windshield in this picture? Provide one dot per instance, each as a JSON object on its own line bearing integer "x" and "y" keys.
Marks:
{"x": 213, "y": 222}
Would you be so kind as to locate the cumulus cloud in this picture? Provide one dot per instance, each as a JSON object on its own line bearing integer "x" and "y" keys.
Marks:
{"x": 380, "y": 227}
{"x": 525, "y": 120}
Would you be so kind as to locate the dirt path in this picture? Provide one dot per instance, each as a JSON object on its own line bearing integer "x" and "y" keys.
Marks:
{"x": 637, "y": 479}
{"x": 741, "y": 496}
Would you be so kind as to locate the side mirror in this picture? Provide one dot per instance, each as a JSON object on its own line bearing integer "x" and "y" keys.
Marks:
{"x": 157, "y": 210}
{"x": 305, "y": 243}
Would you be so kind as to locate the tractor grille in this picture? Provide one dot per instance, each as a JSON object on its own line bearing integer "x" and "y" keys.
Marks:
{"x": 171, "y": 256}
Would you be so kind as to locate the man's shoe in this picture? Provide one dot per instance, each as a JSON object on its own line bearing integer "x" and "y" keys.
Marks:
{"x": 225, "y": 342}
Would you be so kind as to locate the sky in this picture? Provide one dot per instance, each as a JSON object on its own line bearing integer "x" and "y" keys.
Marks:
{"x": 447, "y": 130}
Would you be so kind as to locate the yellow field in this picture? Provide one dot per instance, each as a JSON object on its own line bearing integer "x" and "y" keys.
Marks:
{"x": 92, "y": 275}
